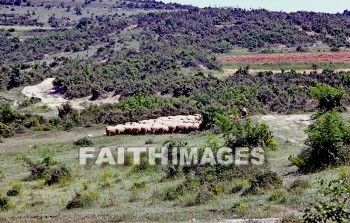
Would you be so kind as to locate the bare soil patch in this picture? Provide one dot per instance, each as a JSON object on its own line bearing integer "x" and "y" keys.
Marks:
{"x": 45, "y": 91}
{"x": 317, "y": 57}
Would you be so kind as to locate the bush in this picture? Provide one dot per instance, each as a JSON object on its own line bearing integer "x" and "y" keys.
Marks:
{"x": 298, "y": 185}
{"x": 48, "y": 169}
{"x": 16, "y": 189}
{"x": 5, "y": 131}
{"x": 290, "y": 219}
{"x": 138, "y": 186}
{"x": 262, "y": 182}
{"x": 328, "y": 96}
{"x": 84, "y": 142}
{"x": 241, "y": 209}
{"x": 83, "y": 200}
{"x": 328, "y": 144}
{"x": 4, "y": 202}
{"x": 106, "y": 179}
{"x": 149, "y": 141}
{"x": 333, "y": 204}
{"x": 278, "y": 196}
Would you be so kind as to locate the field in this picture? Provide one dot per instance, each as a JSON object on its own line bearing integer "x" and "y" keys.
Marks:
{"x": 322, "y": 57}
{"x": 118, "y": 202}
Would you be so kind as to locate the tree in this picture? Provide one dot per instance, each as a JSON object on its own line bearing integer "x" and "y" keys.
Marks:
{"x": 328, "y": 96}
{"x": 328, "y": 144}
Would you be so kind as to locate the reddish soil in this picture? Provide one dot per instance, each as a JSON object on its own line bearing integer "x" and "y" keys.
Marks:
{"x": 288, "y": 58}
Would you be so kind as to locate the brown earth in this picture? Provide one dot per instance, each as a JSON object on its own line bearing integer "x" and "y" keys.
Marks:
{"x": 288, "y": 58}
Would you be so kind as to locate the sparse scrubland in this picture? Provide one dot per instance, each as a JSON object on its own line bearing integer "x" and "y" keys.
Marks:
{"x": 163, "y": 60}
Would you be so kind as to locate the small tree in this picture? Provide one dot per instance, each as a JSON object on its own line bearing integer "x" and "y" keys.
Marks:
{"x": 328, "y": 96}
{"x": 329, "y": 144}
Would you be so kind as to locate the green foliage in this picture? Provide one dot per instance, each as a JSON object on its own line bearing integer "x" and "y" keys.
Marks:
{"x": 8, "y": 115}
{"x": 5, "y": 131}
{"x": 138, "y": 186}
{"x": 328, "y": 96}
{"x": 84, "y": 142}
{"x": 149, "y": 141}
{"x": 278, "y": 196}
{"x": 83, "y": 200}
{"x": 16, "y": 189}
{"x": 48, "y": 169}
{"x": 333, "y": 204}
{"x": 262, "y": 182}
{"x": 241, "y": 209}
{"x": 106, "y": 179}
{"x": 328, "y": 141}
{"x": 245, "y": 133}
{"x": 4, "y": 203}
{"x": 299, "y": 185}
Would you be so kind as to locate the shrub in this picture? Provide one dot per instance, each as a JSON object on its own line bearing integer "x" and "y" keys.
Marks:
{"x": 149, "y": 141}
{"x": 333, "y": 204}
{"x": 106, "y": 179}
{"x": 278, "y": 196}
{"x": 299, "y": 185}
{"x": 328, "y": 144}
{"x": 84, "y": 142}
{"x": 241, "y": 209}
{"x": 328, "y": 96}
{"x": 16, "y": 189}
{"x": 290, "y": 219}
{"x": 83, "y": 200}
{"x": 48, "y": 169}
{"x": 262, "y": 182}
{"x": 4, "y": 202}
{"x": 138, "y": 186}
{"x": 5, "y": 131}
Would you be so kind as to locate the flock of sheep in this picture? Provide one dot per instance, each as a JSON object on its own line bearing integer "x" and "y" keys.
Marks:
{"x": 161, "y": 125}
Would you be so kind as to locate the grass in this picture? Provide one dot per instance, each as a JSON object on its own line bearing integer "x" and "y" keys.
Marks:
{"x": 132, "y": 193}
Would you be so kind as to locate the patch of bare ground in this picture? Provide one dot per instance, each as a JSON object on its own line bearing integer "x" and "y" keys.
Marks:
{"x": 301, "y": 71}
{"x": 45, "y": 91}
{"x": 315, "y": 57}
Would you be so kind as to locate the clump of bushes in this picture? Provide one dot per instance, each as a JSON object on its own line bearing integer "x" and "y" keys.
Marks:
{"x": 6, "y": 131}
{"x": 328, "y": 96}
{"x": 106, "y": 179}
{"x": 82, "y": 200}
{"x": 16, "y": 189}
{"x": 149, "y": 141}
{"x": 278, "y": 196}
{"x": 262, "y": 182}
{"x": 84, "y": 142}
{"x": 298, "y": 186}
{"x": 333, "y": 204}
{"x": 48, "y": 168}
{"x": 328, "y": 144}
{"x": 138, "y": 186}
{"x": 4, "y": 202}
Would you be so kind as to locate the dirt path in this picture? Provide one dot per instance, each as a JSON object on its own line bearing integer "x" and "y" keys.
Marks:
{"x": 45, "y": 92}
{"x": 288, "y": 127}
